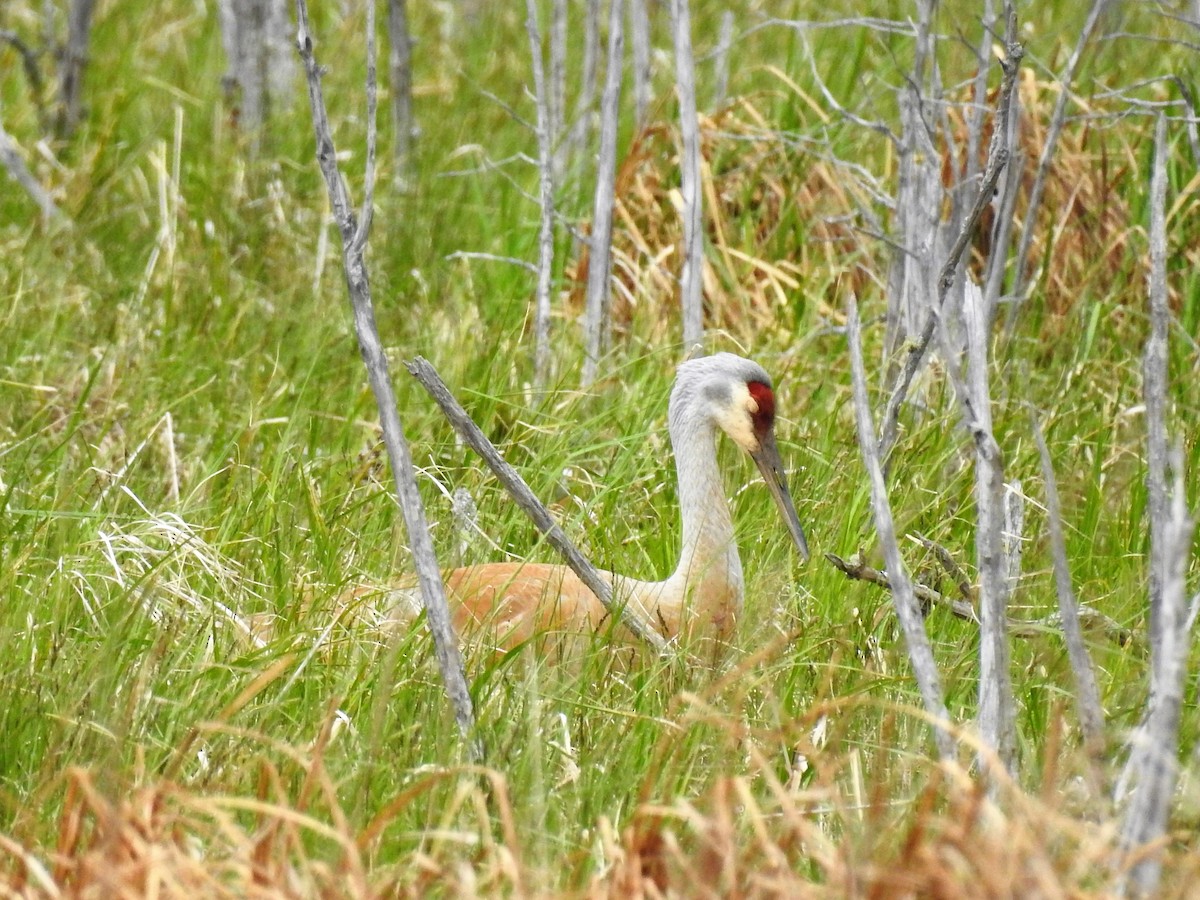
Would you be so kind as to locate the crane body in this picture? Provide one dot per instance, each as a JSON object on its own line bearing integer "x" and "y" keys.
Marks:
{"x": 512, "y": 602}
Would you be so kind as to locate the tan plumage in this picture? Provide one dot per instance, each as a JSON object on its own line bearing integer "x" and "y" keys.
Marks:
{"x": 509, "y": 603}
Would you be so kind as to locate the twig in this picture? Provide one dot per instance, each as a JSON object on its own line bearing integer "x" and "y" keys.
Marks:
{"x": 599, "y": 292}
{"x": 919, "y": 651}
{"x": 691, "y": 279}
{"x": 1087, "y": 694}
{"x": 429, "y": 379}
{"x": 492, "y": 257}
{"x": 354, "y": 237}
{"x": 862, "y": 572}
{"x": 33, "y": 74}
{"x": 1022, "y": 628}
{"x": 952, "y": 568}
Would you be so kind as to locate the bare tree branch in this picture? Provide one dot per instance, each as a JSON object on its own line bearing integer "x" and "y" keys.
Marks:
{"x": 354, "y": 237}
{"x": 860, "y": 571}
{"x": 400, "y": 71}
{"x": 471, "y": 434}
{"x": 721, "y": 59}
{"x": 75, "y": 54}
{"x": 1087, "y": 694}
{"x": 965, "y": 610}
{"x": 997, "y": 706}
{"x": 919, "y": 651}
{"x": 586, "y": 98}
{"x": 998, "y": 153}
{"x": 33, "y": 74}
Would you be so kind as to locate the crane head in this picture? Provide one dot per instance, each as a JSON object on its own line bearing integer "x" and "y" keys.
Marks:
{"x": 741, "y": 401}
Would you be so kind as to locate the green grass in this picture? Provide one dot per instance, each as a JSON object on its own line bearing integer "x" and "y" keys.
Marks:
{"x": 119, "y": 650}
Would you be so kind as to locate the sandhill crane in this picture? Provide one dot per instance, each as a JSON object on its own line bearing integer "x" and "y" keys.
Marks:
{"x": 512, "y": 602}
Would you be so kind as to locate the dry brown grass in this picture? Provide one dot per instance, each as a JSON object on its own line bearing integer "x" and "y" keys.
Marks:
{"x": 747, "y": 837}
{"x": 758, "y": 261}
{"x": 755, "y": 188}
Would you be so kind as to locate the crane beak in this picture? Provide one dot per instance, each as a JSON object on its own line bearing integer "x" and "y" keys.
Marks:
{"x": 768, "y": 462}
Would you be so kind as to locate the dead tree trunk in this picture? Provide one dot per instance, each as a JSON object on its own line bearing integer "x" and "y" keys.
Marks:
{"x": 545, "y": 125}
{"x": 74, "y": 61}
{"x": 1152, "y": 768}
{"x": 691, "y": 281}
{"x": 598, "y": 320}
{"x": 256, "y": 35}
{"x": 639, "y": 40}
{"x": 400, "y": 72}
{"x": 920, "y": 653}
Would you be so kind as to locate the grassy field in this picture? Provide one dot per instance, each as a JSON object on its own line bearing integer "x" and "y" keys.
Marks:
{"x": 187, "y": 443}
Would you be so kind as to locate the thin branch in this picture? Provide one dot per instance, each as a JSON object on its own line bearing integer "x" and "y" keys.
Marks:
{"x": 919, "y": 651}
{"x": 950, "y": 565}
{"x": 354, "y": 237}
{"x": 721, "y": 59}
{"x": 1021, "y": 628}
{"x": 33, "y": 74}
{"x": 1087, "y": 694}
{"x": 492, "y": 257}
{"x": 471, "y": 434}
{"x": 862, "y": 572}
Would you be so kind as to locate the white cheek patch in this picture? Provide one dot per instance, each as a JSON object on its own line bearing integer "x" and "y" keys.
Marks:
{"x": 737, "y": 419}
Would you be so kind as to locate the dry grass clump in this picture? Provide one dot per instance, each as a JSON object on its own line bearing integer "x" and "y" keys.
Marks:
{"x": 778, "y": 223}
{"x": 1085, "y": 222}
{"x": 748, "y": 837}
{"x": 953, "y": 842}
{"x": 782, "y": 221}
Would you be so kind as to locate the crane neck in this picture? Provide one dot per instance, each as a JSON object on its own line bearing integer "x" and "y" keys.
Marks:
{"x": 705, "y": 591}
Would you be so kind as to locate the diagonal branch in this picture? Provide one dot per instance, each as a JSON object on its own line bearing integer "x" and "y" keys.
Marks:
{"x": 919, "y": 651}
